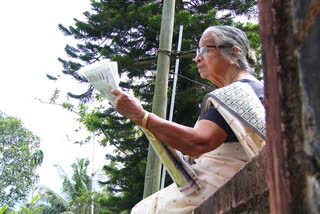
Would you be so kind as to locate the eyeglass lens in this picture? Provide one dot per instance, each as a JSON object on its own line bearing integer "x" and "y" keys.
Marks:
{"x": 202, "y": 50}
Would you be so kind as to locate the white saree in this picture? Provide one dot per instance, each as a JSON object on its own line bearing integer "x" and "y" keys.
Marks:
{"x": 243, "y": 111}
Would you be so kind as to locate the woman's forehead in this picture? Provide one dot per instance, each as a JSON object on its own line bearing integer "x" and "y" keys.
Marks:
{"x": 206, "y": 39}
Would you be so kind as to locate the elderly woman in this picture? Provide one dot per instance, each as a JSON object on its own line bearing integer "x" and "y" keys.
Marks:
{"x": 230, "y": 129}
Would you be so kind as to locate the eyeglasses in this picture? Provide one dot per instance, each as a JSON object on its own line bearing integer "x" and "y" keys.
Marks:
{"x": 204, "y": 50}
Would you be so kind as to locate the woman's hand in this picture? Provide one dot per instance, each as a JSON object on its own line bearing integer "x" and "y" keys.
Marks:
{"x": 128, "y": 106}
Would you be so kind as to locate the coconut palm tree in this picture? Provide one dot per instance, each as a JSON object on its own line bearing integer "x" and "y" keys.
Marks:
{"x": 52, "y": 202}
{"x": 76, "y": 196}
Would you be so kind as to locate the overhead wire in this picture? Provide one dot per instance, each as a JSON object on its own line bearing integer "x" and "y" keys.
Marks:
{"x": 194, "y": 81}
{"x": 180, "y": 54}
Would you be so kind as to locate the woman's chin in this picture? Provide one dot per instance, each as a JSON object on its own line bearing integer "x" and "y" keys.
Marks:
{"x": 203, "y": 75}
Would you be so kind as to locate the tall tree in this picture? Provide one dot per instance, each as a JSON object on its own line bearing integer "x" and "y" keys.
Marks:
{"x": 19, "y": 157}
{"x": 128, "y": 32}
{"x": 77, "y": 188}
{"x": 76, "y": 196}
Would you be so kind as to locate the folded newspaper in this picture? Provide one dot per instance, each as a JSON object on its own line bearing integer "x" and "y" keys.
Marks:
{"x": 103, "y": 75}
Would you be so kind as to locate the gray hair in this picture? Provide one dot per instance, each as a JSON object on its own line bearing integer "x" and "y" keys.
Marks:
{"x": 232, "y": 36}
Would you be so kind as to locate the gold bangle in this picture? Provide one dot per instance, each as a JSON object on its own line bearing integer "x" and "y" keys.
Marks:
{"x": 145, "y": 120}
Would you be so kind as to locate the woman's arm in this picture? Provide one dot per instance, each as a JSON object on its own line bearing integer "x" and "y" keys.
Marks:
{"x": 204, "y": 137}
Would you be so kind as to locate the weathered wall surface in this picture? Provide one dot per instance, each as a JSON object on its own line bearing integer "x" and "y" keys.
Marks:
{"x": 290, "y": 41}
{"x": 310, "y": 83}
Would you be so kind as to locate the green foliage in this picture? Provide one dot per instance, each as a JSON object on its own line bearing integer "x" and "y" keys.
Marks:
{"x": 52, "y": 202}
{"x": 54, "y": 96}
{"x": 77, "y": 193}
{"x": 30, "y": 208}
{"x": 77, "y": 189}
{"x": 3, "y": 209}
{"x": 19, "y": 158}
{"x": 128, "y": 32}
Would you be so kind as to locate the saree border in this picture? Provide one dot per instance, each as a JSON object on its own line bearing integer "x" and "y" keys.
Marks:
{"x": 241, "y": 101}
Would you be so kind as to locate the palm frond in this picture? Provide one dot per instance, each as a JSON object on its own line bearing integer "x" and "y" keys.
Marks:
{"x": 52, "y": 201}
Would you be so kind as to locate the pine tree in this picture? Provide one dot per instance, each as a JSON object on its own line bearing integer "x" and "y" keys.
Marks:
{"x": 128, "y": 32}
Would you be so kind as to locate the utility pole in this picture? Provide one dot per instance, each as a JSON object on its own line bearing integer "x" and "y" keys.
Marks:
{"x": 92, "y": 174}
{"x": 173, "y": 95}
{"x": 159, "y": 105}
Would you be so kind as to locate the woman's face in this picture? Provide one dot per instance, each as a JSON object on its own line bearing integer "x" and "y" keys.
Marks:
{"x": 211, "y": 63}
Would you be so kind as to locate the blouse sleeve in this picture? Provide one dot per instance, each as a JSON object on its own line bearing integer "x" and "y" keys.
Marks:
{"x": 214, "y": 116}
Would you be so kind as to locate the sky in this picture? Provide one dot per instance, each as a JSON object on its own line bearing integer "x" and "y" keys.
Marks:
{"x": 30, "y": 43}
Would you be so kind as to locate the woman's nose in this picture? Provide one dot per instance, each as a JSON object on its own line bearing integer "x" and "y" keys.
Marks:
{"x": 197, "y": 58}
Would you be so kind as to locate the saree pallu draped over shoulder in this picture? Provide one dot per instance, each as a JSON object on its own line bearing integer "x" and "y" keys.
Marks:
{"x": 242, "y": 109}
{"x": 245, "y": 114}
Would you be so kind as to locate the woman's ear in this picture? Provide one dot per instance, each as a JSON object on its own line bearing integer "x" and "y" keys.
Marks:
{"x": 236, "y": 49}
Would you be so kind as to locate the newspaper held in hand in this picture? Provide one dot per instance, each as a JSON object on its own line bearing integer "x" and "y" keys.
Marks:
{"x": 104, "y": 77}
{"x": 178, "y": 168}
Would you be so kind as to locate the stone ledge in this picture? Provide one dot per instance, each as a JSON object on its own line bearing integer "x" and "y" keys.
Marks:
{"x": 246, "y": 192}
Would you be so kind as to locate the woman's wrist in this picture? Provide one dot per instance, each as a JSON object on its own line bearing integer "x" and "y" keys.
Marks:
{"x": 138, "y": 117}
